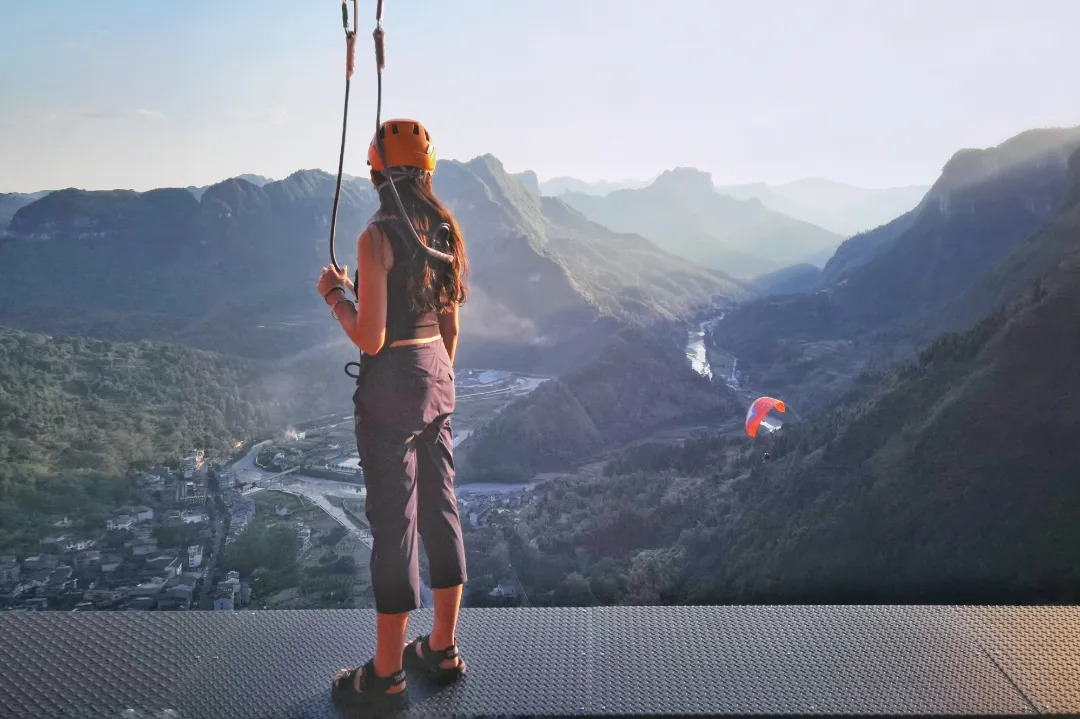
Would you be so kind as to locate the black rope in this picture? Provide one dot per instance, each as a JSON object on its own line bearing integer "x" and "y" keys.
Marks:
{"x": 337, "y": 190}
{"x": 350, "y": 44}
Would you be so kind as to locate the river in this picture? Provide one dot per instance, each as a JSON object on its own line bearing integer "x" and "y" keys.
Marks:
{"x": 695, "y": 347}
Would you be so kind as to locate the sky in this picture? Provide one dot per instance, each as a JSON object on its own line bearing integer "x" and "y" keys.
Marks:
{"x": 137, "y": 94}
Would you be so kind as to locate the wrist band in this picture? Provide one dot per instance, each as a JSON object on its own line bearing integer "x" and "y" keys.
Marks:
{"x": 333, "y": 307}
{"x": 332, "y": 290}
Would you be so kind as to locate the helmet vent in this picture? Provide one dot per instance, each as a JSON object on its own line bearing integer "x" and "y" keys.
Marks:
{"x": 416, "y": 129}
{"x": 393, "y": 129}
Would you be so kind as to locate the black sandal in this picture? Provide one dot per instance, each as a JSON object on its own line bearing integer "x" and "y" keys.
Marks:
{"x": 373, "y": 688}
{"x": 430, "y": 663}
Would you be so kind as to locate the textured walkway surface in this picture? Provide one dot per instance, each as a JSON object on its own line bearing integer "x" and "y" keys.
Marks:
{"x": 607, "y": 660}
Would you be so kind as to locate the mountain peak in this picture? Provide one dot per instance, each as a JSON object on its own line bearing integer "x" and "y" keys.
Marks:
{"x": 685, "y": 179}
{"x": 301, "y": 176}
{"x": 258, "y": 180}
{"x": 530, "y": 180}
{"x": 970, "y": 167}
{"x": 497, "y": 183}
{"x": 306, "y": 182}
{"x": 486, "y": 163}
{"x": 240, "y": 196}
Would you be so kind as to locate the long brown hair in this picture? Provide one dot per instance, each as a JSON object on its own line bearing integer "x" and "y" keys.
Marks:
{"x": 439, "y": 286}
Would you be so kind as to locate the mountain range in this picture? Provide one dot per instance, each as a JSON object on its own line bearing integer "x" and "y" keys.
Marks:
{"x": 684, "y": 214}
{"x": 836, "y": 206}
{"x": 233, "y": 270}
{"x": 890, "y": 290}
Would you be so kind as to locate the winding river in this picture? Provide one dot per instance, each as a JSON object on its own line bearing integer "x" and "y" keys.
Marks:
{"x": 695, "y": 347}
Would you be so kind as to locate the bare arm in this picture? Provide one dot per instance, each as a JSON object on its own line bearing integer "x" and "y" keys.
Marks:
{"x": 448, "y": 328}
{"x": 366, "y": 325}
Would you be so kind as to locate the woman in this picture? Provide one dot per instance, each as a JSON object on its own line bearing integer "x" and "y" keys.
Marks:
{"x": 406, "y": 324}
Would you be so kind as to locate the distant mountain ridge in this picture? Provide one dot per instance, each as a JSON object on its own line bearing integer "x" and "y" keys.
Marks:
{"x": 561, "y": 185}
{"x": 684, "y": 214}
{"x": 836, "y": 206}
{"x": 257, "y": 180}
{"x": 12, "y": 202}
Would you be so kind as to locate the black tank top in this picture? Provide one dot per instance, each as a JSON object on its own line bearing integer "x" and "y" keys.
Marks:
{"x": 402, "y": 321}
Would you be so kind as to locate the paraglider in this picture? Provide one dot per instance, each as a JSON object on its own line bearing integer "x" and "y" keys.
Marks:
{"x": 758, "y": 410}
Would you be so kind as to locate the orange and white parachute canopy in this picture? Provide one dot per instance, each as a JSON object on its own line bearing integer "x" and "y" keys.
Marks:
{"x": 758, "y": 410}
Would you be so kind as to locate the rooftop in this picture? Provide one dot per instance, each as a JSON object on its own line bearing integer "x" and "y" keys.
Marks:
{"x": 599, "y": 660}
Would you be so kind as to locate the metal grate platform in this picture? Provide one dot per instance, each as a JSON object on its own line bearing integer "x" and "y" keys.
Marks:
{"x": 603, "y": 660}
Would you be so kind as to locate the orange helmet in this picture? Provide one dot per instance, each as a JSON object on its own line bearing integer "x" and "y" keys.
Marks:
{"x": 405, "y": 142}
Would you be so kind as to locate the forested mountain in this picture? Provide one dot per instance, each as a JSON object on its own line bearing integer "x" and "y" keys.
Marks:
{"x": 78, "y": 405}
{"x": 78, "y": 414}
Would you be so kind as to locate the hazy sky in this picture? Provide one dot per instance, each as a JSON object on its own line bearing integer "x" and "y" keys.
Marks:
{"x": 140, "y": 94}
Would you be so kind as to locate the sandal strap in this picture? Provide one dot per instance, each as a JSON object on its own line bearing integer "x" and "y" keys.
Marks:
{"x": 451, "y": 652}
{"x": 369, "y": 678}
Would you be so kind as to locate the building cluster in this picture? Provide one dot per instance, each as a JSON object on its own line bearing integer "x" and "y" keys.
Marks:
{"x": 481, "y": 510}
{"x": 319, "y": 453}
{"x": 231, "y": 593}
{"x": 241, "y": 508}
{"x": 123, "y": 563}
{"x": 346, "y": 465}
{"x": 327, "y": 459}
{"x": 226, "y": 478}
{"x": 504, "y": 590}
{"x": 192, "y": 464}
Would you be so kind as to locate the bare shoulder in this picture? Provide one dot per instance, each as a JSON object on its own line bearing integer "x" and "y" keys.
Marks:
{"x": 373, "y": 244}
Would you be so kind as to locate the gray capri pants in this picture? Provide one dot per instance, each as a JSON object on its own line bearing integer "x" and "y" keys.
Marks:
{"x": 404, "y": 398}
